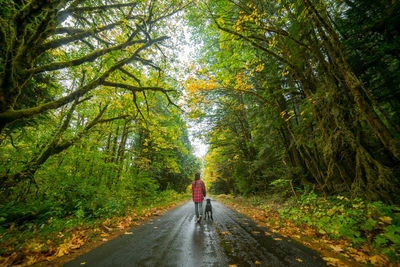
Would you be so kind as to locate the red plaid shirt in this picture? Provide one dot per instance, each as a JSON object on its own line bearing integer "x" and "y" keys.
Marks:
{"x": 198, "y": 191}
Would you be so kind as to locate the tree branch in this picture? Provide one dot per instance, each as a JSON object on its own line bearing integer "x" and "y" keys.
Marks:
{"x": 90, "y": 57}
{"x": 130, "y": 75}
{"x": 268, "y": 51}
{"x": 113, "y": 119}
{"x": 137, "y": 107}
{"x": 97, "y": 8}
{"x": 12, "y": 115}
{"x": 78, "y": 35}
{"x": 135, "y": 88}
{"x": 148, "y": 63}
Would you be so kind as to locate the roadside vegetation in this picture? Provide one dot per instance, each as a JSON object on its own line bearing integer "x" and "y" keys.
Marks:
{"x": 345, "y": 232}
{"x": 48, "y": 238}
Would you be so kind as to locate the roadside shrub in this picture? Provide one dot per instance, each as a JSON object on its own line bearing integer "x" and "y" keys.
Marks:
{"x": 19, "y": 213}
{"x": 375, "y": 223}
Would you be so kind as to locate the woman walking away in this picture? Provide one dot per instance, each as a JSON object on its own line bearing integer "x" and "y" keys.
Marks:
{"x": 198, "y": 194}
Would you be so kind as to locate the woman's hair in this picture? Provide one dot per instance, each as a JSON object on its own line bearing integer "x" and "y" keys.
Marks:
{"x": 197, "y": 176}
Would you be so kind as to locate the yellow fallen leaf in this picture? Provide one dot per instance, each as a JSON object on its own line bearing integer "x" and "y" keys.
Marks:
{"x": 62, "y": 251}
{"x": 225, "y": 233}
{"x": 299, "y": 260}
{"x": 35, "y": 246}
{"x": 378, "y": 260}
{"x": 128, "y": 233}
{"x": 31, "y": 260}
{"x": 330, "y": 261}
{"x": 360, "y": 257}
{"x": 83, "y": 262}
{"x": 232, "y": 265}
{"x": 257, "y": 262}
{"x": 336, "y": 248}
{"x": 277, "y": 238}
{"x": 107, "y": 228}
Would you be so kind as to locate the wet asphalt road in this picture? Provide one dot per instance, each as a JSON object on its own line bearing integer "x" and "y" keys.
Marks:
{"x": 175, "y": 239}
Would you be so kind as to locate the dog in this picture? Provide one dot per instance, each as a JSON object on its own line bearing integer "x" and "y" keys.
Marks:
{"x": 208, "y": 210}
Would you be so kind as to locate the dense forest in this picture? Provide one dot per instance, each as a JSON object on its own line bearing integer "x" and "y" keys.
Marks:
{"x": 290, "y": 95}
{"x": 88, "y": 113}
{"x": 300, "y": 92}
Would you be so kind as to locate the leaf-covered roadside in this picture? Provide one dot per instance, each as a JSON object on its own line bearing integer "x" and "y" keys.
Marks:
{"x": 30, "y": 244}
{"x": 345, "y": 232}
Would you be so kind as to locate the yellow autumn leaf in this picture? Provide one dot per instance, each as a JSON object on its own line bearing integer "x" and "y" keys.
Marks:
{"x": 336, "y": 248}
{"x": 386, "y": 219}
{"x": 260, "y": 67}
{"x": 330, "y": 260}
{"x": 35, "y": 246}
{"x": 62, "y": 250}
{"x": 378, "y": 260}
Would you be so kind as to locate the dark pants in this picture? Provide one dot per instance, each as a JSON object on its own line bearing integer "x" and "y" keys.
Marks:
{"x": 198, "y": 208}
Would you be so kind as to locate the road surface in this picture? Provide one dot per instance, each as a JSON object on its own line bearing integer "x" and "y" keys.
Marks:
{"x": 175, "y": 239}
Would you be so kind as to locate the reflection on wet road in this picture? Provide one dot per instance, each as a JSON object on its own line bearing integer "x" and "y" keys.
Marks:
{"x": 175, "y": 239}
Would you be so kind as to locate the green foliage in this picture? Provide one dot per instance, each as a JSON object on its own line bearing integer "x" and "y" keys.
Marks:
{"x": 18, "y": 213}
{"x": 280, "y": 186}
{"x": 371, "y": 36}
{"x": 360, "y": 222}
{"x": 47, "y": 223}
